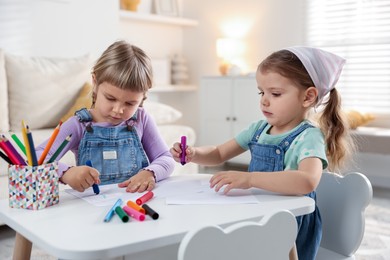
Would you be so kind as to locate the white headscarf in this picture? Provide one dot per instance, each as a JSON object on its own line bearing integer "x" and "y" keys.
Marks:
{"x": 323, "y": 67}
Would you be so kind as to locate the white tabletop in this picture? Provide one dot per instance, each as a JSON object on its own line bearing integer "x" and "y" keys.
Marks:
{"x": 74, "y": 229}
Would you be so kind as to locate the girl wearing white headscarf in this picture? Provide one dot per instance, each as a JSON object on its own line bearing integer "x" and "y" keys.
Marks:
{"x": 288, "y": 152}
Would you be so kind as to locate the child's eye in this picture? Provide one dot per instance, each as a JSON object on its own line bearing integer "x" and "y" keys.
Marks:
{"x": 276, "y": 94}
{"x": 261, "y": 93}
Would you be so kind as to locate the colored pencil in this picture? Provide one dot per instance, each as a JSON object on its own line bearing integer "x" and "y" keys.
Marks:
{"x": 12, "y": 154}
{"x": 59, "y": 150}
{"x": 18, "y": 142}
{"x": 49, "y": 143}
{"x": 26, "y": 144}
{"x": 5, "y": 157}
{"x": 34, "y": 161}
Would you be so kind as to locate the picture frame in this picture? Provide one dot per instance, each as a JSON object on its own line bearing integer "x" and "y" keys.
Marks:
{"x": 166, "y": 7}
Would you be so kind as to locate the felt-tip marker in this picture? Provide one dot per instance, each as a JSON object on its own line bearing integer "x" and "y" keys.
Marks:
{"x": 183, "y": 146}
{"x": 110, "y": 214}
{"x": 144, "y": 198}
{"x": 95, "y": 187}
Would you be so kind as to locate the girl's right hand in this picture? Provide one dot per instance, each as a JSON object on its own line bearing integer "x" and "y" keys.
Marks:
{"x": 81, "y": 178}
{"x": 176, "y": 151}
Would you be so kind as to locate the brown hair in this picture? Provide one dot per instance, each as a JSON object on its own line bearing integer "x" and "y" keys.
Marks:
{"x": 339, "y": 144}
{"x": 125, "y": 66}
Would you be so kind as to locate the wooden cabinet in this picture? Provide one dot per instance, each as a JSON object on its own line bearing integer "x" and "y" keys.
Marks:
{"x": 228, "y": 106}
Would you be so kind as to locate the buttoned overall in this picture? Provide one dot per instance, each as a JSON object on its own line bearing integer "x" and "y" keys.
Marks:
{"x": 270, "y": 158}
{"x": 116, "y": 152}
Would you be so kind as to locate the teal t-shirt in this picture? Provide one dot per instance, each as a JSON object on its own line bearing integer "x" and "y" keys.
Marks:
{"x": 309, "y": 143}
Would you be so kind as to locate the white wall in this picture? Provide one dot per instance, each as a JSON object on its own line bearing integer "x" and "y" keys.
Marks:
{"x": 58, "y": 28}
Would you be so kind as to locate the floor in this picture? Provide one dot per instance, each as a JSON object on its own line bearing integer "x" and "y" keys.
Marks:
{"x": 375, "y": 244}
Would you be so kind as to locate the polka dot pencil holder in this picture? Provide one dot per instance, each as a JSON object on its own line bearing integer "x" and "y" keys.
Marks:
{"x": 33, "y": 187}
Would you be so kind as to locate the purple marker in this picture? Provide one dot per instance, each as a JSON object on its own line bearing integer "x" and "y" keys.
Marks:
{"x": 183, "y": 146}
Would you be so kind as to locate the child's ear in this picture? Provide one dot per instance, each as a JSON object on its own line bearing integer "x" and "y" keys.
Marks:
{"x": 311, "y": 95}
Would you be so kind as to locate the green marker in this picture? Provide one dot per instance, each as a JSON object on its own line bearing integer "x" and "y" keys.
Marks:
{"x": 122, "y": 214}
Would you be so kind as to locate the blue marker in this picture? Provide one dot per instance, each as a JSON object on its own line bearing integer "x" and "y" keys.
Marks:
{"x": 95, "y": 187}
{"x": 110, "y": 214}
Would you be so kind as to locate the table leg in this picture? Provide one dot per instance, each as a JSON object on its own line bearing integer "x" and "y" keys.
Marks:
{"x": 22, "y": 248}
{"x": 293, "y": 255}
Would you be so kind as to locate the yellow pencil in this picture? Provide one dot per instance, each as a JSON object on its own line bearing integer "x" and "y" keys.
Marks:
{"x": 26, "y": 143}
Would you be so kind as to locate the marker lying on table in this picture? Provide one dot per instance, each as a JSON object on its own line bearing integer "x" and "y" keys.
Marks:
{"x": 110, "y": 214}
{"x": 183, "y": 146}
{"x": 95, "y": 187}
{"x": 149, "y": 211}
{"x": 122, "y": 214}
{"x": 144, "y": 198}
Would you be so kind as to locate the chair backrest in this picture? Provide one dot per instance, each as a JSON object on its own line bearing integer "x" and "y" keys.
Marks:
{"x": 271, "y": 238}
{"x": 342, "y": 202}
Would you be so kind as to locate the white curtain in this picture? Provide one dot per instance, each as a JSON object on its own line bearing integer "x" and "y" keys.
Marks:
{"x": 359, "y": 31}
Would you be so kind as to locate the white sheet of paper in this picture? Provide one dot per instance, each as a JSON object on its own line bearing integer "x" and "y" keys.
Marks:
{"x": 174, "y": 189}
{"x": 108, "y": 195}
{"x": 205, "y": 195}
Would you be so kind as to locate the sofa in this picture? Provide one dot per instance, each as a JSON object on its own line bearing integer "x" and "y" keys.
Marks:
{"x": 42, "y": 91}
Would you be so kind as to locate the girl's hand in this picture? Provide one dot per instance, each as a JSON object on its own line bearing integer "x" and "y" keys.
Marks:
{"x": 231, "y": 180}
{"x": 176, "y": 151}
{"x": 142, "y": 181}
{"x": 81, "y": 178}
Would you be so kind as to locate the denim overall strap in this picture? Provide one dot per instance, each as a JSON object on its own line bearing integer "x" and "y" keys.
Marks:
{"x": 270, "y": 158}
{"x": 116, "y": 152}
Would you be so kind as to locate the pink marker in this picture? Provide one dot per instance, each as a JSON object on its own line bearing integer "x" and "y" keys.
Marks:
{"x": 144, "y": 198}
{"x": 134, "y": 213}
{"x": 183, "y": 146}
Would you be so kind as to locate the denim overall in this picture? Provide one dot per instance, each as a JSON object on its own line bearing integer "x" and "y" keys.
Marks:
{"x": 116, "y": 152}
{"x": 270, "y": 158}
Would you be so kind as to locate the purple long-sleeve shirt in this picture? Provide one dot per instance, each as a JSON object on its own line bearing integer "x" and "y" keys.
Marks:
{"x": 157, "y": 151}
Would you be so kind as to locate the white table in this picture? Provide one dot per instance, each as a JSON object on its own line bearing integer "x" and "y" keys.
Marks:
{"x": 74, "y": 229}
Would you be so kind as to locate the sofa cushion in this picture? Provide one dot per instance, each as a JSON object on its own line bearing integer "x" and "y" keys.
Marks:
{"x": 84, "y": 99}
{"x": 162, "y": 113}
{"x": 42, "y": 89}
{"x": 4, "y": 120}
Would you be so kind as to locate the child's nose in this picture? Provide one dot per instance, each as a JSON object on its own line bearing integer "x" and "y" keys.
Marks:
{"x": 118, "y": 108}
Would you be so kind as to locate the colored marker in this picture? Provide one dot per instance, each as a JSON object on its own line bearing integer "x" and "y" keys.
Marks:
{"x": 183, "y": 146}
{"x": 153, "y": 214}
{"x": 134, "y": 213}
{"x": 95, "y": 187}
{"x": 110, "y": 214}
{"x": 135, "y": 206}
{"x": 144, "y": 198}
{"x": 122, "y": 214}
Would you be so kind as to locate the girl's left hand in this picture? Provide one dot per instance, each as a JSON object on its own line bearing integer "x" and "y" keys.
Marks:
{"x": 231, "y": 180}
{"x": 142, "y": 181}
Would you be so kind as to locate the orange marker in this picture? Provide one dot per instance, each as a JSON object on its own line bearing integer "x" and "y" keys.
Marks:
{"x": 144, "y": 198}
{"x": 49, "y": 143}
{"x": 135, "y": 206}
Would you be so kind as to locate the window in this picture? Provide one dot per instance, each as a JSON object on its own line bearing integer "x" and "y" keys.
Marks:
{"x": 359, "y": 31}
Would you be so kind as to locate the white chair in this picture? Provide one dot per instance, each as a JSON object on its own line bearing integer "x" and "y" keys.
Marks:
{"x": 342, "y": 202}
{"x": 271, "y": 238}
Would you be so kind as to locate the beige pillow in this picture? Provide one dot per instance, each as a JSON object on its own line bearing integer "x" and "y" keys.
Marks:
{"x": 4, "y": 120}
{"x": 84, "y": 99}
{"x": 42, "y": 89}
{"x": 162, "y": 113}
